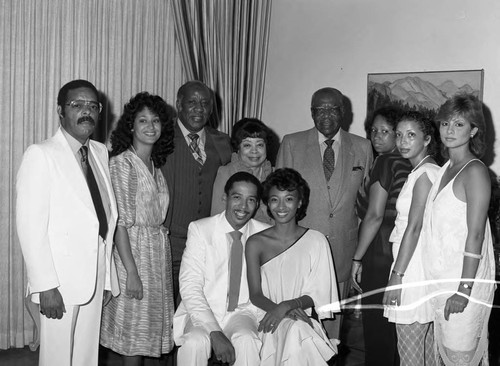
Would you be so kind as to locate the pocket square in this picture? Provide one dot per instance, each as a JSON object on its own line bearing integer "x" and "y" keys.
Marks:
{"x": 357, "y": 168}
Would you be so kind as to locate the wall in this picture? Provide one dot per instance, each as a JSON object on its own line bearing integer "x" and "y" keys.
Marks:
{"x": 316, "y": 43}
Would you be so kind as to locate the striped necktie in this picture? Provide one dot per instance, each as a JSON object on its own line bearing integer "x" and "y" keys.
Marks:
{"x": 195, "y": 149}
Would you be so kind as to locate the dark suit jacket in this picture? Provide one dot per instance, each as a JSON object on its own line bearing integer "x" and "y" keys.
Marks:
{"x": 190, "y": 185}
{"x": 332, "y": 204}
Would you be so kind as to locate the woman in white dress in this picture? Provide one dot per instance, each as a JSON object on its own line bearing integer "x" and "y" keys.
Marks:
{"x": 290, "y": 270}
{"x": 416, "y": 141}
{"x": 457, "y": 245}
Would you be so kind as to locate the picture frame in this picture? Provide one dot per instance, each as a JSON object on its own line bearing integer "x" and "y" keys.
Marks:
{"x": 423, "y": 91}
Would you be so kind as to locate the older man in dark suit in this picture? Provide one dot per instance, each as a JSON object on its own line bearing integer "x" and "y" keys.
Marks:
{"x": 335, "y": 163}
{"x": 191, "y": 169}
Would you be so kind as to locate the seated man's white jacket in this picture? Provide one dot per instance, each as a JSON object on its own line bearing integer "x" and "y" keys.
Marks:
{"x": 204, "y": 274}
{"x": 57, "y": 224}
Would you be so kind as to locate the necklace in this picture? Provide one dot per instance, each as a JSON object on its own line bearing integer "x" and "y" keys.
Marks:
{"x": 420, "y": 162}
{"x": 151, "y": 160}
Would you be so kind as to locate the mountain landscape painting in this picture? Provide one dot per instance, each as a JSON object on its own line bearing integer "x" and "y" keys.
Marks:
{"x": 422, "y": 91}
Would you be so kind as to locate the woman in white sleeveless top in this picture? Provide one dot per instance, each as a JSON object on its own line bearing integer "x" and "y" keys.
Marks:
{"x": 457, "y": 245}
{"x": 416, "y": 141}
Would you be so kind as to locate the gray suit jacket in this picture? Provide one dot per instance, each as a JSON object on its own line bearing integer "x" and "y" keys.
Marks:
{"x": 332, "y": 204}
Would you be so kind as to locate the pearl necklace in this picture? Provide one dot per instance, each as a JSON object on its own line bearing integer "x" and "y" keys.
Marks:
{"x": 150, "y": 159}
{"x": 420, "y": 163}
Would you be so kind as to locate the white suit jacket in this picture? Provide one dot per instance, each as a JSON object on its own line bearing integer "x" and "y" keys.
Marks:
{"x": 204, "y": 273}
{"x": 57, "y": 224}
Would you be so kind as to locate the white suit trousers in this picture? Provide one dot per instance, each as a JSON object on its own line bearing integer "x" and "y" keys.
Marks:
{"x": 73, "y": 340}
{"x": 240, "y": 328}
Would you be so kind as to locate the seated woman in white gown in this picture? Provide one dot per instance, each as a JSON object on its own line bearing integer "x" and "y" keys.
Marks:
{"x": 290, "y": 271}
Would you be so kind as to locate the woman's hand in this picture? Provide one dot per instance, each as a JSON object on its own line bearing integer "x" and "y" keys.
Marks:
{"x": 393, "y": 297}
{"x": 299, "y": 314}
{"x": 272, "y": 318}
{"x": 356, "y": 270}
{"x": 133, "y": 287}
{"x": 455, "y": 304}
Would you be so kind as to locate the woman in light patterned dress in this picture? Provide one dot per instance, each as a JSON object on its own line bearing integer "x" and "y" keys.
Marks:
{"x": 457, "y": 245}
{"x": 138, "y": 322}
{"x": 416, "y": 141}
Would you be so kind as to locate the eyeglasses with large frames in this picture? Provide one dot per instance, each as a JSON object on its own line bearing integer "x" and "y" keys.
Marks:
{"x": 79, "y": 105}
{"x": 326, "y": 110}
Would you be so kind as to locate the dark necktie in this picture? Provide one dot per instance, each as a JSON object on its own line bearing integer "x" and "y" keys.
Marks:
{"x": 195, "y": 149}
{"x": 328, "y": 159}
{"x": 94, "y": 192}
{"x": 235, "y": 270}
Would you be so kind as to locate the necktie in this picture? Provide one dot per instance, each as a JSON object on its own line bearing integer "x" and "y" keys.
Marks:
{"x": 328, "y": 159}
{"x": 94, "y": 192}
{"x": 235, "y": 270}
{"x": 195, "y": 149}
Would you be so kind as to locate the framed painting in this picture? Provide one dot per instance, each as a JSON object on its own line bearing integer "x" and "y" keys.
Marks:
{"x": 422, "y": 91}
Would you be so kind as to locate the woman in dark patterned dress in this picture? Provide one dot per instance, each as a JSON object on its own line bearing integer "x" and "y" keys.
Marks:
{"x": 373, "y": 257}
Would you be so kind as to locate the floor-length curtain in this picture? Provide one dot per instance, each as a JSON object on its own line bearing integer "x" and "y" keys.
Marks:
{"x": 224, "y": 44}
{"x": 122, "y": 46}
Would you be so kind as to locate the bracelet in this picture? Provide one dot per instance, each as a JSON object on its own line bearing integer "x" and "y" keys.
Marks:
{"x": 466, "y": 286}
{"x": 399, "y": 274}
{"x": 473, "y": 255}
{"x": 357, "y": 260}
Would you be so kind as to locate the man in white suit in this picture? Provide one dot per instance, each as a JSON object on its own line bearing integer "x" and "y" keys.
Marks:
{"x": 334, "y": 186}
{"x": 210, "y": 316}
{"x": 66, "y": 216}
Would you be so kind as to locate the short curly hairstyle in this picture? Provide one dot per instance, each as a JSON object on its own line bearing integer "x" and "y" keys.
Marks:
{"x": 287, "y": 179}
{"x": 122, "y": 137}
{"x": 249, "y": 128}
{"x": 469, "y": 108}
{"x": 74, "y": 84}
{"x": 390, "y": 113}
{"x": 426, "y": 125}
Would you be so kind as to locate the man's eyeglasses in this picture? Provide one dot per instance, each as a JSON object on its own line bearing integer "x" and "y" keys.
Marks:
{"x": 326, "y": 110}
{"x": 79, "y": 105}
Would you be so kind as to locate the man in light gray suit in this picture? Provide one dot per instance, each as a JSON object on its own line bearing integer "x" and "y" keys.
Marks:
{"x": 335, "y": 163}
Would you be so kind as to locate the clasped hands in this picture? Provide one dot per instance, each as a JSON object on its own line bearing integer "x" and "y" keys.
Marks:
{"x": 285, "y": 309}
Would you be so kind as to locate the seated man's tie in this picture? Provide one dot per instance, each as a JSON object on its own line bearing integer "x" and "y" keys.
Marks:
{"x": 94, "y": 192}
{"x": 235, "y": 270}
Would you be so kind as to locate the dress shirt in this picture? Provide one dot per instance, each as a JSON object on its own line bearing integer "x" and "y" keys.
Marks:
{"x": 201, "y": 140}
{"x": 337, "y": 140}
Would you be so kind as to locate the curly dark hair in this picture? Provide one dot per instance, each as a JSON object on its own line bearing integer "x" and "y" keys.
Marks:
{"x": 249, "y": 128}
{"x": 469, "y": 108}
{"x": 426, "y": 125}
{"x": 287, "y": 179}
{"x": 390, "y": 113}
{"x": 122, "y": 139}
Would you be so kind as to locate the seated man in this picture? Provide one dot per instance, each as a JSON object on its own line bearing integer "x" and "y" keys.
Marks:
{"x": 215, "y": 312}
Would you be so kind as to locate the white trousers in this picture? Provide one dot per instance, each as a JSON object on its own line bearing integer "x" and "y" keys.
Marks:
{"x": 73, "y": 340}
{"x": 240, "y": 328}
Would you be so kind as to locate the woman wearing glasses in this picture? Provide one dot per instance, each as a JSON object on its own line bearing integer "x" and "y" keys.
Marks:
{"x": 138, "y": 322}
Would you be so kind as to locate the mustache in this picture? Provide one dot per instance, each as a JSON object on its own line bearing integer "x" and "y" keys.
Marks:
{"x": 86, "y": 119}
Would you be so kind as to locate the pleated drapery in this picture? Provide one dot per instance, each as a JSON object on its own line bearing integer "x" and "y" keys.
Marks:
{"x": 224, "y": 43}
{"x": 122, "y": 46}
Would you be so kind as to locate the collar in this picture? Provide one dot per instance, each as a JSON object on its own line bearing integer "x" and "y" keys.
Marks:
{"x": 227, "y": 228}
{"x": 337, "y": 137}
{"x": 74, "y": 144}
{"x": 186, "y": 132}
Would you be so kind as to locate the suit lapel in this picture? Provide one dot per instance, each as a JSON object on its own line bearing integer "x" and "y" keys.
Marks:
{"x": 103, "y": 173}
{"x": 346, "y": 162}
{"x": 314, "y": 162}
{"x": 69, "y": 167}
